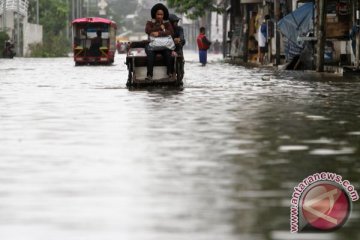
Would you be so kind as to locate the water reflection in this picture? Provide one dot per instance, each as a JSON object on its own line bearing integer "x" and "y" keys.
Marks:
{"x": 82, "y": 157}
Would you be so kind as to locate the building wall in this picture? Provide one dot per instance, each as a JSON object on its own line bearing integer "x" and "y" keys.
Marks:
{"x": 216, "y": 27}
{"x": 9, "y": 21}
{"x": 32, "y": 34}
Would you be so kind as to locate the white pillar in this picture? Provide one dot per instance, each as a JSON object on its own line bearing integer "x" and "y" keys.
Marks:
{"x": 4, "y": 16}
{"x": 18, "y": 28}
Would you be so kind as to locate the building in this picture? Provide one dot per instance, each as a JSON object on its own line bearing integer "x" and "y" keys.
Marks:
{"x": 242, "y": 19}
{"x": 14, "y": 21}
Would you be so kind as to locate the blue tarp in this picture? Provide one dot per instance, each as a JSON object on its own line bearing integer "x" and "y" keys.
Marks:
{"x": 297, "y": 23}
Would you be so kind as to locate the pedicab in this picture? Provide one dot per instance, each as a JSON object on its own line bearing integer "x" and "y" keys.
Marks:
{"x": 136, "y": 61}
{"x": 85, "y": 32}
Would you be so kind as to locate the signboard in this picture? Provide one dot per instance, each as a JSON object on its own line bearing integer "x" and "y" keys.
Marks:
{"x": 102, "y": 5}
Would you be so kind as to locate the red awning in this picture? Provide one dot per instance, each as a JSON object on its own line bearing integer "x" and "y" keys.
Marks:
{"x": 94, "y": 20}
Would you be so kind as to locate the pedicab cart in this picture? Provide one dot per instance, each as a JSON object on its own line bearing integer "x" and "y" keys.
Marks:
{"x": 136, "y": 61}
{"x": 84, "y": 31}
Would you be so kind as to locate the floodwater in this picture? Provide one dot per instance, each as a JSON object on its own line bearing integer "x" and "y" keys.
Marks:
{"x": 84, "y": 158}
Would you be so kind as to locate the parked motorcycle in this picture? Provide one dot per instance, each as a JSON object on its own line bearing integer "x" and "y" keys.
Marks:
{"x": 8, "y": 51}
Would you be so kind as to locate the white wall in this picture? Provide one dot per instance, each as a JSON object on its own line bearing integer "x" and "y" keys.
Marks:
{"x": 216, "y": 27}
{"x": 32, "y": 34}
{"x": 10, "y": 21}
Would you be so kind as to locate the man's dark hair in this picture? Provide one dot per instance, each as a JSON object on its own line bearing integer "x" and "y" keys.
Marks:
{"x": 98, "y": 33}
{"x": 173, "y": 18}
{"x": 202, "y": 30}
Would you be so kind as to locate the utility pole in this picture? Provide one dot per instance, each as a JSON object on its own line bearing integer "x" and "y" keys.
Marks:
{"x": 73, "y": 9}
{"x": 77, "y": 8}
{"x": 18, "y": 28}
{"x": 357, "y": 49}
{"x": 321, "y": 35}
{"x": 246, "y": 33}
{"x": 87, "y": 8}
{"x": 37, "y": 12}
{"x": 80, "y": 8}
{"x": 68, "y": 19}
{"x": 225, "y": 33}
{"x": 277, "y": 33}
{"x": 4, "y": 15}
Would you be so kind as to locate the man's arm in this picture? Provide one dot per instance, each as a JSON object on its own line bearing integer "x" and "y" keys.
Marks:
{"x": 181, "y": 36}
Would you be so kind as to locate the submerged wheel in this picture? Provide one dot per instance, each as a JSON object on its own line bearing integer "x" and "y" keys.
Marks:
{"x": 129, "y": 80}
{"x": 179, "y": 72}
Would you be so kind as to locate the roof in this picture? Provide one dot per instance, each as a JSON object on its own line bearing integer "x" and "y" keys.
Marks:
{"x": 93, "y": 20}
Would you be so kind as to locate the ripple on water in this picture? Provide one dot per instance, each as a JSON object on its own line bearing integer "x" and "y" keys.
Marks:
{"x": 320, "y": 141}
{"x": 327, "y": 152}
{"x": 316, "y": 117}
{"x": 286, "y": 235}
{"x": 289, "y": 148}
{"x": 356, "y": 133}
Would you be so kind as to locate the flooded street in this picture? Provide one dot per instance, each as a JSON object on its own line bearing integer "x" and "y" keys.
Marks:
{"x": 84, "y": 158}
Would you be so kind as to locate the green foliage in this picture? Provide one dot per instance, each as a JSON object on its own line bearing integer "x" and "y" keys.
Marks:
{"x": 3, "y": 37}
{"x": 118, "y": 9}
{"x": 194, "y": 8}
{"x": 53, "y": 18}
{"x": 53, "y": 46}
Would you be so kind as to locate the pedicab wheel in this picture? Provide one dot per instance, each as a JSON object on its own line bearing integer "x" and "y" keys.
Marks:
{"x": 129, "y": 81}
{"x": 179, "y": 73}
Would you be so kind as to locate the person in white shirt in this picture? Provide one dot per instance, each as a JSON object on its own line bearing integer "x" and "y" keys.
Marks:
{"x": 262, "y": 40}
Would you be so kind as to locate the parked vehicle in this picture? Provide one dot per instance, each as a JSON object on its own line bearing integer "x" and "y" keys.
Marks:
{"x": 136, "y": 61}
{"x": 94, "y": 41}
{"x": 8, "y": 51}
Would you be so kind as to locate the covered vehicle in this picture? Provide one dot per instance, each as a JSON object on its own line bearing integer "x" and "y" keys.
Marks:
{"x": 94, "y": 40}
{"x": 136, "y": 61}
{"x": 298, "y": 29}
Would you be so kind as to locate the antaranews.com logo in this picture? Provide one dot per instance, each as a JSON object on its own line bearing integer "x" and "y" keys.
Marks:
{"x": 321, "y": 202}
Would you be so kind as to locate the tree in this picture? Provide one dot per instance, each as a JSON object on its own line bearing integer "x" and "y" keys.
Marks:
{"x": 3, "y": 37}
{"x": 53, "y": 18}
{"x": 119, "y": 9}
{"x": 194, "y": 8}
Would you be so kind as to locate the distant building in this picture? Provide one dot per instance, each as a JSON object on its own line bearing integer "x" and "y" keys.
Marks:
{"x": 287, "y": 39}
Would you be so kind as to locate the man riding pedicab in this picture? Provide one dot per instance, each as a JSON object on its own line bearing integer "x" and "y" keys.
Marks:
{"x": 179, "y": 41}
